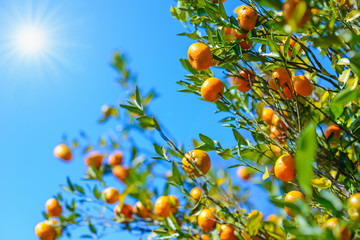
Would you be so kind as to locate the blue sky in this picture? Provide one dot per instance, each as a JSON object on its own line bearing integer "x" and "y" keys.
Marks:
{"x": 43, "y": 98}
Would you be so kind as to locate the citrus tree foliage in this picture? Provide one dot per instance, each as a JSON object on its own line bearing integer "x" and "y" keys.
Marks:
{"x": 294, "y": 90}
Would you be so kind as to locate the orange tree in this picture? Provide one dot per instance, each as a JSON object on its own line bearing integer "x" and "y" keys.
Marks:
{"x": 294, "y": 71}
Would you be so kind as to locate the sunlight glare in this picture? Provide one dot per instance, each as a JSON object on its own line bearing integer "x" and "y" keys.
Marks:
{"x": 31, "y": 40}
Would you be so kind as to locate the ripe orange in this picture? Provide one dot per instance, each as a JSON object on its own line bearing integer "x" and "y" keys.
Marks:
{"x": 288, "y": 92}
{"x": 200, "y": 159}
{"x": 275, "y": 149}
{"x": 332, "y": 129}
{"x": 95, "y": 158}
{"x": 111, "y": 195}
{"x": 166, "y": 204}
{"x": 280, "y": 77}
{"x": 344, "y": 232}
{"x": 285, "y": 168}
{"x": 273, "y": 218}
{"x": 227, "y": 232}
{"x": 289, "y": 8}
{"x": 354, "y": 207}
{"x": 217, "y": 1}
{"x": 242, "y": 39}
{"x": 244, "y": 80}
{"x": 195, "y": 193}
{"x": 200, "y": 56}
{"x": 143, "y": 211}
{"x": 205, "y": 237}
{"x": 126, "y": 210}
{"x": 53, "y": 207}
{"x": 247, "y": 17}
{"x": 174, "y": 204}
{"x": 121, "y": 172}
{"x": 45, "y": 231}
{"x": 278, "y": 122}
{"x": 302, "y": 85}
{"x": 278, "y": 134}
{"x": 292, "y": 197}
{"x": 63, "y": 152}
{"x": 115, "y": 158}
{"x": 243, "y": 173}
{"x": 267, "y": 116}
{"x": 212, "y": 89}
{"x": 207, "y": 220}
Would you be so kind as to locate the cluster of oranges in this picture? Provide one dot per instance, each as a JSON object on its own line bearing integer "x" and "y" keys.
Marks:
{"x": 50, "y": 229}
{"x": 287, "y": 85}
{"x": 201, "y": 57}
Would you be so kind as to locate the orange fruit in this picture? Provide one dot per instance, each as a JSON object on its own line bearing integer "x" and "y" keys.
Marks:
{"x": 207, "y": 220}
{"x": 273, "y": 218}
{"x": 115, "y": 158}
{"x": 244, "y": 43}
{"x": 302, "y": 85}
{"x": 205, "y": 237}
{"x": 354, "y": 207}
{"x": 243, "y": 173}
{"x": 111, "y": 195}
{"x": 343, "y": 233}
{"x": 244, "y": 80}
{"x": 277, "y": 122}
{"x": 247, "y": 17}
{"x": 198, "y": 158}
{"x": 121, "y": 172}
{"x": 217, "y": 1}
{"x": 200, "y": 56}
{"x": 280, "y": 77}
{"x": 289, "y": 8}
{"x": 332, "y": 129}
{"x": 143, "y": 211}
{"x": 212, "y": 89}
{"x": 174, "y": 204}
{"x": 126, "y": 210}
{"x": 267, "y": 116}
{"x": 227, "y": 232}
{"x": 275, "y": 149}
{"x": 278, "y": 134}
{"x": 285, "y": 168}
{"x": 292, "y": 197}
{"x": 166, "y": 204}
{"x": 288, "y": 91}
{"x": 195, "y": 193}
{"x": 95, "y": 158}
{"x": 53, "y": 207}
{"x": 63, "y": 152}
{"x": 45, "y": 231}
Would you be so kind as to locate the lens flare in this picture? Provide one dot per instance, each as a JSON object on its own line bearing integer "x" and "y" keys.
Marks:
{"x": 31, "y": 40}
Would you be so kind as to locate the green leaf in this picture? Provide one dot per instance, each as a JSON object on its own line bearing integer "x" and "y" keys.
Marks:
{"x": 176, "y": 176}
{"x": 306, "y": 147}
{"x": 70, "y": 184}
{"x": 338, "y": 102}
{"x": 133, "y": 109}
{"x": 254, "y": 223}
{"x": 351, "y": 16}
{"x": 274, "y": 4}
{"x": 206, "y": 140}
{"x": 222, "y": 10}
{"x": 225, "y": 153}
{"x": 186, "y": 64}
{"x": 238, "y": 137}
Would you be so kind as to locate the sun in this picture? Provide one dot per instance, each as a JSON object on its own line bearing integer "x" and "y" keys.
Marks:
{"x": 31, "y": 40}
